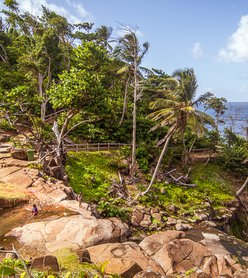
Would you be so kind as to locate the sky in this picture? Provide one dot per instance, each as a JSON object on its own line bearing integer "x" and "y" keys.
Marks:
{"x": 210, "y": 36}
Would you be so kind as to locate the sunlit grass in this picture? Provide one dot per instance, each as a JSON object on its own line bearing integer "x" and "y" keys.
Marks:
{"x": 9, "y": 191}
{"x": 91, "y": 173}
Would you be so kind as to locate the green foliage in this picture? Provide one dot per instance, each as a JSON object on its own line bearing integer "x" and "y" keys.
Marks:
{"x": 91, "y": 173}
{"x": 213, "y": 182}
{"x": 126, "y": 151}
{"x": 5, "y": 125}
{"x": 10, "y": 267}
{"x": 216, "y": 104}
{"x": 67, "y": 259}
{"x": 144, "y": 157}
{"x": 190, "y": 271}
{"x": 7, "y": 271}
{"x": 83, "y": 84}
{"x": 211, "y": 185}
{"x": 114, "y": 208}
{"x": 69, "y": 263}
{"x": 233, "y": 152}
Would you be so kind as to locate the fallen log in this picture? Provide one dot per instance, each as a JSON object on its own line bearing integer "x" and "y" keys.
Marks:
{"x": 178, "y": 180}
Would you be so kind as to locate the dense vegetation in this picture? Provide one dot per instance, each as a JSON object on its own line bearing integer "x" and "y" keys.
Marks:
{"x": 72, "y": 84}
{"x": 63, "y": 82}
{"x": 69, "y": 263}
{"x": 93, "y": 173}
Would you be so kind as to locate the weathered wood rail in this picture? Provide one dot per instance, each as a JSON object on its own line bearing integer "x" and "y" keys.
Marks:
{"x": 87, "y": 147}
{"x": 195, "y": 154}
{"x": 202, "y": 153}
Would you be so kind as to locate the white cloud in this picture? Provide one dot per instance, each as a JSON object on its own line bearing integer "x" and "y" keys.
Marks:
{"x": 236, "y": 49}
{"x": 80, "y": 14}
{"x": 197, "y": 51}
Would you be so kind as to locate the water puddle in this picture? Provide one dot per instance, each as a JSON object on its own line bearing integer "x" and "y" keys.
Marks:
{"x": 19, "y": 216}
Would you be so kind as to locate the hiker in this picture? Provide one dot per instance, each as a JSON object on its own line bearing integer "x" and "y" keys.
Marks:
{"x": 34, "y": 210}
{"x": 92, "y": 206}
{"x": 79, "y": 198}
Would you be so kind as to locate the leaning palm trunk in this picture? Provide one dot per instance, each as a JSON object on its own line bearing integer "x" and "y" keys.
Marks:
{"x": 167, "y": 140}
{"x": 242, "y": 188}
{"x": 210, "y": 155}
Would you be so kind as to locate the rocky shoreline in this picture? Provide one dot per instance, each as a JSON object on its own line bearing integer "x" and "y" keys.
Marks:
{"x": 154, "y": 244}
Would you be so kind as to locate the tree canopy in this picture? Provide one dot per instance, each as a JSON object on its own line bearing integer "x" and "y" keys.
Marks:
{"x": 60, "y": 80}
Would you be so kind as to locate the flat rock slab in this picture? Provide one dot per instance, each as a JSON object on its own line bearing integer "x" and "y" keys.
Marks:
{"x": 73, "y": 232}
{"x": 125, "y": 259}
{"x": 19, "y": 178}
{"x": 4, "y": 172}
{"x": 212, "y": 242}
{"x": 17, "y": 162}
{"x": 74, "y": 206}
{"x": 3, "y": 156}
{"x": 153, "y": 243}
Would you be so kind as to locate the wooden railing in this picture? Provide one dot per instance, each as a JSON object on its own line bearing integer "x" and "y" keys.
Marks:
{"x": 91, "y": 147}
{"x": 87, "y": 147}
{"x": 202, "y": 153}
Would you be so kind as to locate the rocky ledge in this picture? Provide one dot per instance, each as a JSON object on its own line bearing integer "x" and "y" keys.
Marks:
{"x": 105, "y": 240}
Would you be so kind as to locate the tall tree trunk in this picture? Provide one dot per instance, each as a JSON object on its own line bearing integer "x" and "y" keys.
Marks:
{"x": 133, "y": 165}
{"x": 184, "y": 153}
{"x": 41, "y": 94}
{"x": 124, "y": 102}
{"x": 59, "y": 150}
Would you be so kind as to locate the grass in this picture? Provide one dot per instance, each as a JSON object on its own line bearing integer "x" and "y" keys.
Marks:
{"x": 91, "y": 173}
{"x": 67, "y": 259}
{"x": 213, "y": 182}
{"x": 11, "y": 192}
{"x": 211, "y": 186}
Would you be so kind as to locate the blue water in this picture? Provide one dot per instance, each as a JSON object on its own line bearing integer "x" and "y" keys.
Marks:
{"x": 236, "y": 117}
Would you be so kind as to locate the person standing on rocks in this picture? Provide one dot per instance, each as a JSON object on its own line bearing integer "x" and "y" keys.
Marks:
{"x": 79, "y": 198}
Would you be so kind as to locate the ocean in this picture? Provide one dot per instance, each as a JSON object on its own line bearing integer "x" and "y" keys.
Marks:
{"x": 236, "y": 117}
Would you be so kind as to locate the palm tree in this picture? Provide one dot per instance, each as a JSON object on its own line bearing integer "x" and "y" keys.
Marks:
{"x": 176, "y": 108}
{"x": 131, "y": 52}
{"x": 103, "y": 36}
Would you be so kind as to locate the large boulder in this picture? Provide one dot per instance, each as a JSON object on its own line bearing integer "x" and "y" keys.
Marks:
{"x": 177, "y": 254}
{"x": 137, "y": 217}
{"x": 46, "y": 263}
{"x": 74, "y": 205}
{"x": 241, "y": 274}
{"x": 48, "y": 192}
{"x": 19, "y": 154}
{"x": 74, "y": 232}
{"x": 21, "y": 178}
{"x": 125, "y": 259}
{"x": 181, "y": 255}
{"x": 152, "y": 244}
{"x": 226, "y": 265}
